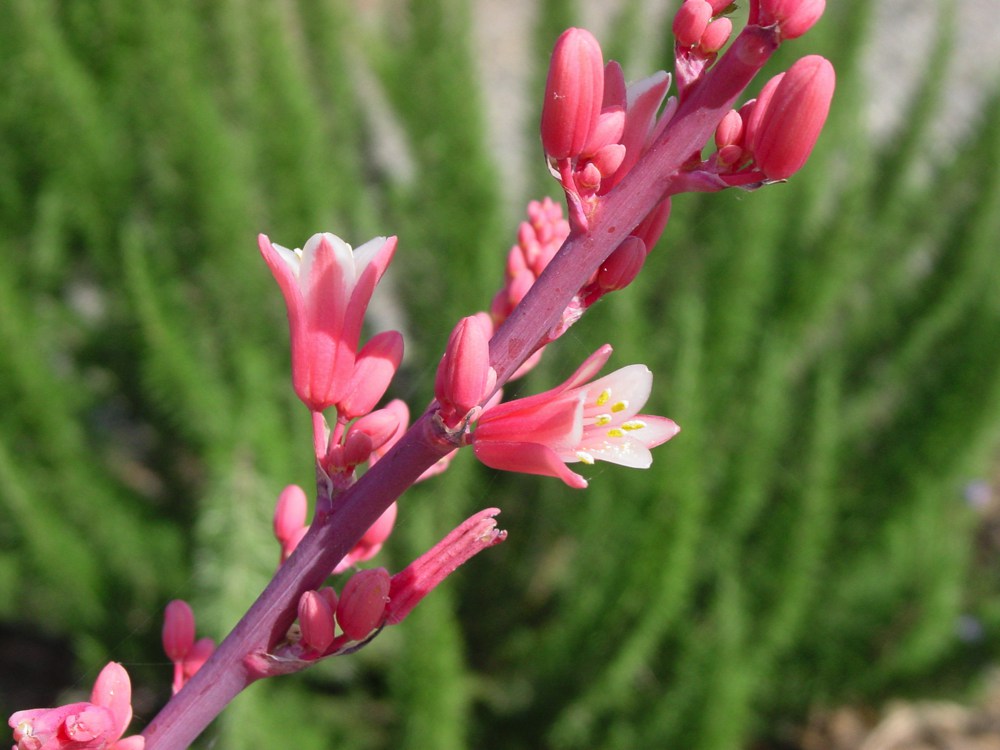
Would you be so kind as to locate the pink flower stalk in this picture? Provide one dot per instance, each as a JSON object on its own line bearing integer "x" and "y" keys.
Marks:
{"x": 97, "y": 725}
{"x": 793, "y": 118}
{"x": 577, "y": 421}
{"x": 327, "y": 287}
{"x": 464, "y": 376}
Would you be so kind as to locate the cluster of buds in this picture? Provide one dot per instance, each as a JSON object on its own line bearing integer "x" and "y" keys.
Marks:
{"x": 332, "y": 625}
{"x": 603, "y": 139}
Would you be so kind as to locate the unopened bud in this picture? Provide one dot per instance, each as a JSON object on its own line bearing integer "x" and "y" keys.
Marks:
{"x": 716, "y": 35}
{"x": 691, "y": 21}
{"x": 362, "y": 603}
{"x": 290, "y": 513}
{"x": 623, "y": 265}
{"x": 730, "y": 129}
{"x": 794, "y": 117}
{"x": 315, "y": 621}
{"x": 574, "y": 91}
{"x": 793, "y": 17}
{"x": 178, "y": 629}
{"x": 464, "y": 376}
{"x": 198, "y": 655}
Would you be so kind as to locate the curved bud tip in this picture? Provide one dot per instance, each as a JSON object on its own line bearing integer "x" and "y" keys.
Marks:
{"x": 574, "y": 92}
{"x": 793, "y": 118}
{"x": 691, "y": 21}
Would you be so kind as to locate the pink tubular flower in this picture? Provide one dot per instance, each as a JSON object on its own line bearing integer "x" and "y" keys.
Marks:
{"x": 787, "y": 129}
{"x": 97, "y": 725}
{"x": 577, "y": 421}
{"x": 327, "y": 287}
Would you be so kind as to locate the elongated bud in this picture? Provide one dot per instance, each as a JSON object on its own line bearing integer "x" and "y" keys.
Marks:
{"x": 362, "y": 603}
{"x": 464, "y": 377}
{"x": 574, "y": 92}
{"x": 178, "y": 630}
{"x": 793, "y": 17}
{"x": 290, "y": 513}
{"x": 374, "y": 368}
{"x": 315, "y": 621}
{"x": 716, "y": 35}
{"x": 794, "y": 117}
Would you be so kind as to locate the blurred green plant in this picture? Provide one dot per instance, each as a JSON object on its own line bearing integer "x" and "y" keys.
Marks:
{"x": 829, "y": 347}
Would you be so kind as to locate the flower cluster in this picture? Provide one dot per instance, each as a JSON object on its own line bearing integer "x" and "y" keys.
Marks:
{"x": 620, "y": 152}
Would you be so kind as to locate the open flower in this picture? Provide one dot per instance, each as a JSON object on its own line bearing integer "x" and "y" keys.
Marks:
{"x": 327, "y": 287}
{"x": 577, "y": 421}
{"x": 97, "y": 725}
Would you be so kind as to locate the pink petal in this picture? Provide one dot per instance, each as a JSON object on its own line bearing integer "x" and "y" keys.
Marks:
{"x": 113, "y": 691}
{"x": 527, "y": 458}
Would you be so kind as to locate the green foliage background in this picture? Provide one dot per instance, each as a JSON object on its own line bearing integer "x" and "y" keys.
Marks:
{"x": 830, "y": 348}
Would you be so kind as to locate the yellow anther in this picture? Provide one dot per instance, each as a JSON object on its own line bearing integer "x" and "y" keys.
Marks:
{"x": 585, "y": 457}
{"x": 619, "y": 406}
{"x": 616, "y": 432}
{"x": 633, "y": 424}
{"x": 604, "y": 397}
{"x": 602, "y": 419}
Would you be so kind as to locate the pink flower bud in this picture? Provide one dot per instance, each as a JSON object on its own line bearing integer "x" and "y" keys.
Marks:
{"x": 793, "y": 17}
{"x": 178, "y": 629}
{"x": 623, "y": 265}
{"x": 691, "y": 21}
{"x": 290, "y": 513}
{"x": 315, "y": 621}
{"x": 729, "y": 130}
{"x": 794, "y": 117}
{"x": 362, "y": 603}
{"x": 464, "y": 376}
{"x": 379, "y": 426}
{"x": 608, "y": 159}
{"x": 374, "y": 368}
{"x": 609, "y": 129}
{"x": 716, "y": 35}
{"x": 357, "y": 448}
{"x": 753, "y": 111}
{"x": 330, "y": 596}
{"x": 574, "y": 92}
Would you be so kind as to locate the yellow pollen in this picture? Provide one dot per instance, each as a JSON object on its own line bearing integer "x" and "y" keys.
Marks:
{"x": 604, "y": 397}
{"x": 602, "y": 419}
{"x": 633, "y": 424}
{"x": 616, "y": 432}
{"x": 585, "y": 457}
{"x": 619, "y": 406}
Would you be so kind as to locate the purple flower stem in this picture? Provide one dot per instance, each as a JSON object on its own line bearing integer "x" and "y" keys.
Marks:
{"x": 333, "y": 533}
